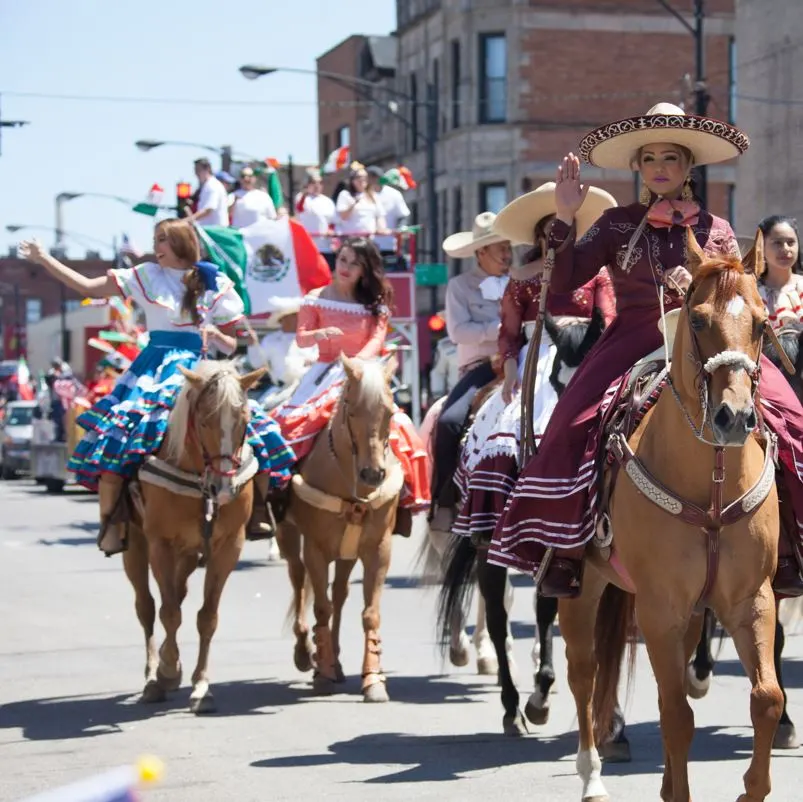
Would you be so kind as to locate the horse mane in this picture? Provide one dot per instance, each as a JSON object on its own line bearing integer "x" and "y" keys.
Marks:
{"x": 727, "y": 270}
{"x": 220, "y": 384}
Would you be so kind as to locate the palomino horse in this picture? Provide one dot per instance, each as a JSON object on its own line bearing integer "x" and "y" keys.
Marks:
{"x": 193, "y": 499}
{"x": 693, "y": 464}
{"x": 344, "y": 504}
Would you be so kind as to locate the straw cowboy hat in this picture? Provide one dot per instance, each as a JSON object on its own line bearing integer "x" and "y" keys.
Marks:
{"x": 466, "y": 243}
{"x": 616, "y": 145}
{"x": 286, "y": 307}
{"x": 517, "y": 220}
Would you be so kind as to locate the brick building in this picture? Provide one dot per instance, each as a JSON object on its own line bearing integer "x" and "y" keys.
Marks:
{"x": 769, "y": 110}
{"x": 28, "y": 294}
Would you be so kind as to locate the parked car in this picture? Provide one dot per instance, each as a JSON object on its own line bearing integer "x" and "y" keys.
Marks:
{"x": 16, "y": 436}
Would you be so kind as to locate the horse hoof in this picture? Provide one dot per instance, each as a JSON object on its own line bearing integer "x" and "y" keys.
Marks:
{"x": 696, "y": 688}
{"x": 169, "y": 683}
{"x": 458, "y": 656}
{"x": 302, "y": 657}
{"x": 514, "y": 726}
{"x": 323, "y": 686}
{"x": 537, "y": 709}
{"x": 203, "y": 705}
{"x": 487, "y": 666}
{"x": 377, "y": 692}
{"x": 615, "y": 751}
{"x": 786, "y": 737}
{"x": 153, "y": 693}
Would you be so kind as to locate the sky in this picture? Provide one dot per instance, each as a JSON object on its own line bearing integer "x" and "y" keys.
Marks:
{"x": 174, "y": 50}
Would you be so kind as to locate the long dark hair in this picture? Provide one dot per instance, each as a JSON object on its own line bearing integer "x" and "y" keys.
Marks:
{"x": 766, "y": 226}
{"x": 183, "y": 242}
{"x": 539, "y": 233}
{"x": 372, "y": 290}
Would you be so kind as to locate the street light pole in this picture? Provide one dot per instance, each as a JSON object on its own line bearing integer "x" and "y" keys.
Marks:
{"x": 432, "y": 195}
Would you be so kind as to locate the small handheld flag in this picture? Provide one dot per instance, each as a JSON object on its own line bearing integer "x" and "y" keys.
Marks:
{"x": 152, "y": 202}
{"x": 337, "y": 160}
{"x": 117, "y": 785}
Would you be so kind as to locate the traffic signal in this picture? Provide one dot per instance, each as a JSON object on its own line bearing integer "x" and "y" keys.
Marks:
{"x": 183, "y": 199}
{"x": 436, "y": 324}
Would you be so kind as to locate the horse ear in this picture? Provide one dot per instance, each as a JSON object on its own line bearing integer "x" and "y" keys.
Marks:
{"x": 754, "y": 259}
{"x": 351, "y": 367}
{"x": 391, "y": 366}
{"x": 191, "y": 376}
{"x": 248, "y": 380}
{"x": 694, "y": 253}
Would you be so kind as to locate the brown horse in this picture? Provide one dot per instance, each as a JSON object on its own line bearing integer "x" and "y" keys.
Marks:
{"x": 343, "y": 508}
{"x": 206, "y": 443}
{"x": 694, "y": 464}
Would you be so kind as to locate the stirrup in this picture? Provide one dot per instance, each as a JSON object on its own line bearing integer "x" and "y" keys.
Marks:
{"x": 119, "y": 516}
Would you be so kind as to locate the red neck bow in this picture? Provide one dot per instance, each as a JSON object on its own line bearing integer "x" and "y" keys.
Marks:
{"x": 666, "y": 213}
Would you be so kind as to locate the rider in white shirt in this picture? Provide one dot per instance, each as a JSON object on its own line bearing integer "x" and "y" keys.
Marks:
{"x": 213, "y": 201}
{"x": 250, "y": 204}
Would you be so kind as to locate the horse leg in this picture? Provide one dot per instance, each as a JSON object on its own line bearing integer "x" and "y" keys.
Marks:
{"x": 492, "y": 582}
{"x": 289, "y": 538}
{"x": 375, "y": 569}
{"x": 222, "y": 562}
{"x": 487, "y": 664}
{"x": 509, "y": 598}
{"x": 577, "y": 621}
{"x": 163, "y": 564}
{"x": 752, "y": 627}
{"x": 699, "y": 671}
{"x": 537, "y": 707}
{"x": 135, "y": 564}
{"x": 786, "y": 736}
{"x": 317, "y": 564}
{"x": 340, "y": 592}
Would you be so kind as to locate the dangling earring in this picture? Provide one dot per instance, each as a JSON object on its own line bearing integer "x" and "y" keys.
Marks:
{"x": 644, "y": 196}
{"x": 687, "y": 194}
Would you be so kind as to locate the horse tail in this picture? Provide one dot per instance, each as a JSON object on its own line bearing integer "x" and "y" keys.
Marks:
{"x": 616, "y": 622}
{"x": 458, "y": 586}
{"x": 552, "y": 328}
{"x": 428, "y": 562}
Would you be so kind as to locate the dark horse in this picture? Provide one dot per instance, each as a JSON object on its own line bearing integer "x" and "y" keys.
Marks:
{"x": 701, "y": 668}
{"x": 572, "y": 343}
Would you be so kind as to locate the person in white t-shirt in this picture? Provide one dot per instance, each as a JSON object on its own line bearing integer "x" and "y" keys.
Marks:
{"x": 213, "y": 200}
{"x": 359, "y": 211}
{"x": 316, "y": 212}
{"x": 249, "y": 204}
{"x": 392, "y": 201}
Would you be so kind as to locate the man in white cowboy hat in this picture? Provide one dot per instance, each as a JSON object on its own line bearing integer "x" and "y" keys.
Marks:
{"x": 472, "y": 322}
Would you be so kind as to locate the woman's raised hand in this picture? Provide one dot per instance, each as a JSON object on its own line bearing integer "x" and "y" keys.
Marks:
{"x": 569, "y": 192}
{"x": 32, "y": 250}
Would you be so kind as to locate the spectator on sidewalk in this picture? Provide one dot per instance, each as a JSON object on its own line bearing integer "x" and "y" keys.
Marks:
{"x": 395, "y": 208}
{"x": 359, "y": 211}
{"x": 251, "y": 204}
{"x": 213, "y": 200}
{"x": 316, "y": 212}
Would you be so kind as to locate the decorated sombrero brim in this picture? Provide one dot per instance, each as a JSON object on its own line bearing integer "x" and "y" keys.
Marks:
{"x": 517, "y": 220}
{"x": 672, "y": 319}
{"x": 615, "y": 145}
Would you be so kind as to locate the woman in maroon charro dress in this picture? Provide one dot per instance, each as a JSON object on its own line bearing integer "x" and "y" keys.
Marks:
{"x": 554, "y": 503}
{"x": 489, "y": 463}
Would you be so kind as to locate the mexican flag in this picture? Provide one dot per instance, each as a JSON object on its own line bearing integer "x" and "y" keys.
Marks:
{"x": 153, "y": 201}
{"x": 336, "y": 160}
{"x": 272, "y": 263}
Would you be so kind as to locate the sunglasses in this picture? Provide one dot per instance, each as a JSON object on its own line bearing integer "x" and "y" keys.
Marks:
{"x": 246, "y": 175}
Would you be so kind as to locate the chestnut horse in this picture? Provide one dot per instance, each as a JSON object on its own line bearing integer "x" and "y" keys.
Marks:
{"x": 695, "y": 463}
{"x": 171, "y": 530}
{"x": 343, "y": 508}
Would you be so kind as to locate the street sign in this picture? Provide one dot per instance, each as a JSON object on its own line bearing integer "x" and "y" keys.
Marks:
{"x": 431, "y": 274}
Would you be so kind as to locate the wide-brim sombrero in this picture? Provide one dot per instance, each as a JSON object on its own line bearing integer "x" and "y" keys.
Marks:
{"x": 518, "y": 219}
{"x": 616, "y": 145}
{"x": 467, "y": 243}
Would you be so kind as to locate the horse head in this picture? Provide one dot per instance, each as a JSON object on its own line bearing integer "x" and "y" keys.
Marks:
{"x": 572, "y": 344}
{"x": 366, "y": 407}
{"x": 715, "y": 365}
{"x": 207, "y": 426}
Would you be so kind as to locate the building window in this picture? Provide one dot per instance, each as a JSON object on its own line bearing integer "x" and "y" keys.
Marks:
{"x": 455, "y": 84}
{"x": 71, "y": 305}
{"x": 33, "y": 310}
{"x": 413, "y": 113}
{"x": 325, "y": 149}
{"x": 493, "y": 78}
{"x": 343, "y": 136}
{"x": 493, "y": 197}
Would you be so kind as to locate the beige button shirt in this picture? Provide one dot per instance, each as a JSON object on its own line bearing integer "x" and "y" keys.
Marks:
{"x": 472, "y": 322}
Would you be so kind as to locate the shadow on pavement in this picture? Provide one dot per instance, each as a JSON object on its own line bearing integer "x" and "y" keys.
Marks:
{"x": 432, "y": 758}
{"x": 62, "y": 718}
{"x": 792, "y": 671}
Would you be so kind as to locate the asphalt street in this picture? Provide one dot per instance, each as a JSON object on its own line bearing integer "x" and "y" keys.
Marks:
{"x": 71, "y": 660}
